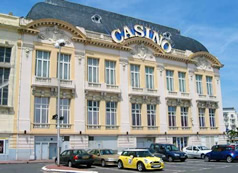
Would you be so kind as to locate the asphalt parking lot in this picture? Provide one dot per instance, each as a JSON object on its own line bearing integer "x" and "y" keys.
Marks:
{"x": 191, "y": 165}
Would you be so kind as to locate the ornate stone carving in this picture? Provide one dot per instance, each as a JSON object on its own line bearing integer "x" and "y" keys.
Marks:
{"x": 102, "y": 96}
{"x": 207, "y": 104}
{"x": 145, "y": 99}
{"x": 161, "y": 69}
{"x": 124, "y": 63}
{"x": 179, "y": 102}
{"x": 142, "y": 52}
{"x": 53, "y": 34}
{"x": 203, "y": 63}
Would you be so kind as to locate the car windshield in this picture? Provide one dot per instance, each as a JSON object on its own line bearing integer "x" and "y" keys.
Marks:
{"x": 106, "y": 152}
{"x": 203, "y": 148}
{"x": 171, "y": 148}
{"x": 144, "y": 154}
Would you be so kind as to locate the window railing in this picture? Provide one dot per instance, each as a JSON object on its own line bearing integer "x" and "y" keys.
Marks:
{"x": 203, "y": 128}
{"x": 137, "y": 127}
{"x": 93, "y": 126}
{"x": 65, "y": 82}
{"x": 41, "y": 125}
{"x": 43, "y": 79}
{"x": 212, "y": 97}
{"x": 112, "y": 86}
{"x": 174, "y": 93}
{"x": 91, "y": 84}
{"x": 152, "y": 127}
{"x": 64, "y": 126}
{"x": 173, "y": 128}
{"x": 201, "y": 96}
{"x": 151, "y": 90}
{"x": 137, "y": 89}
{"x": 184, "y": 94}
{"x": 213, "y": 128}
{"x": 186, "y": 128}
{"x": 111, "y": 127}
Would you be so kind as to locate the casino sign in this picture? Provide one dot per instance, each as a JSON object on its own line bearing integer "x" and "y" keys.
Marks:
{"x": 140, "y": 31}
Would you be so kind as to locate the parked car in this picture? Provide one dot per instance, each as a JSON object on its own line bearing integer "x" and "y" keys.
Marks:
{"x": 170, "y": 151}
{"x": 104, "y": 157}
{"x": 196, "y": 151}
{"x": 222, "y": 152}
{"x": 75, "y": 157}
{"x": 140, "y": 159}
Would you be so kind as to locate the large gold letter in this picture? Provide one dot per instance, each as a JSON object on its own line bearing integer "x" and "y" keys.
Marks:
{"x": 139, "y": 31}
{"x": 127, "y": 32}
{"x": 113, "y": 34}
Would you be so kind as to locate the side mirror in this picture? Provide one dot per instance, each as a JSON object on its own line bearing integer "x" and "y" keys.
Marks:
{"x": 131, "y": 156}
{"x": 98, "y": 154}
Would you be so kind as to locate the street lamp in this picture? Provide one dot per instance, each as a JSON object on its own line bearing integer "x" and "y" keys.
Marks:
{"x": 59, "y": 43}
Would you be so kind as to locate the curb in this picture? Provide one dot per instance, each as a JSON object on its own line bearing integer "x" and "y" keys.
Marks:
{"x": 24, "y": 162}
{"x": 66, "y": 171}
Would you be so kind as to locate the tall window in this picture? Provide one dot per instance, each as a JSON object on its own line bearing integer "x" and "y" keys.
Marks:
{"x": 151, "y": 115}
{"x": 199, "y": 83}
{"x": 42, "y": 63}
{"x": 170, "y": 80}
{"x": 135, "y": 76}
{"x": 111, "y": 112}
{"x": 184, "y": 116}
{"x": 41, "y": 110}
{"x": 212, "y": 117}
{"x": 4, "y": 77}
{"x": 136, "y": 114}
{"x": 201, "y": 112}
{"x": 5, "y": 54}
{"x": 64, "y": 66}
{"x": 93, "y": 112}
{"x": 172, "y": 116}
{"x": 182, "y": 84}
{"x": 149, "y": 72}
{"x": 64, "y": 110}
{"x": 93, "y": 73}
{"x": 209, "y": 85}
{"x": 110, "y": 72}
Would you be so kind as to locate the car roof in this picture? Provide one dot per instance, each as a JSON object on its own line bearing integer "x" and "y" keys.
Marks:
{"x": 162, "y": 144}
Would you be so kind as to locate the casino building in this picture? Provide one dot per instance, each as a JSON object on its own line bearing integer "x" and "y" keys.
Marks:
{"x": 125, "y": 83}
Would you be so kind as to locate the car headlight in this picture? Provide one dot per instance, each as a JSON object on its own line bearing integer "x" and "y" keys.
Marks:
{"x": 176, "y": 154}
{"x": 146, "y": 161}
{"x": 185, "y": 154}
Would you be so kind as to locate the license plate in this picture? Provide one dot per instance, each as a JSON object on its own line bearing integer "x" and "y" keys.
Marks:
{"x": 182, "y": 157}
{"x": 156, "y": 166}
{"x": 85, "y": 157}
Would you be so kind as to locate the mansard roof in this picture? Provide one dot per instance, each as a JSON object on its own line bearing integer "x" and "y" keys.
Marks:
{"x": 80, "y": 15}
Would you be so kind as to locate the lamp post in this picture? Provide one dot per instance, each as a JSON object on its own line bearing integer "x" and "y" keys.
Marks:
{"x": 59, "y": 43}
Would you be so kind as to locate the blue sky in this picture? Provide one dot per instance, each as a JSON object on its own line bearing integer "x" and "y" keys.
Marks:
{"x": 214, "y": 23}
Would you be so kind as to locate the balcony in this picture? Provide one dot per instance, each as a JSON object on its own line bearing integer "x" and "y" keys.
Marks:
{"x": 174, "y": 94}
{"x": 52, "y": 82}
{"x": 206, "y": 97}
{"x": 213, "y": 128}
{"x": 47, "y": 126}
{"x": 102, "y": 87}
{"x": 203, "y": 128}
{"x": 186, "y": 128}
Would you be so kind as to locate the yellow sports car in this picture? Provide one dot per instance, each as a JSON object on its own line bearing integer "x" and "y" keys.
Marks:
{"x": 140, "y": 159}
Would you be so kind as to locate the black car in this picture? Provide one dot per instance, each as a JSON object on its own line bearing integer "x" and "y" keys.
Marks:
{"x": 75, "y": 157}
{"x": 170, "y": 151}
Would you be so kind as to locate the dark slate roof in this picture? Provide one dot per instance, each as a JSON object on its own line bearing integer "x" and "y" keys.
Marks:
{"x": 80, "y": 15}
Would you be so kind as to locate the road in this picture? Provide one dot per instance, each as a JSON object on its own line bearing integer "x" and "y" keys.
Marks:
{"x": 191, "y": 165}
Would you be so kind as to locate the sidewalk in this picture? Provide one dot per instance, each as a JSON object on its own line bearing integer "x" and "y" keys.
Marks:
{"x": 25, "y": 161}
{"x": 64, "y": 169}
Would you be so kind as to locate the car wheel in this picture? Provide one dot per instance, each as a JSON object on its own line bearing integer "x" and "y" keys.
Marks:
{"x": 89, "y": 165}
{"x": 202, "y": 156}
{"x": 229, "y": 159}
{"x": 140, "y": 167}
{"x": 103, "y": 163}
{"x": 70, "y": 164}
{"x": 170, "y": 159}
{"x": 56, "y": 161}
{"x": 120, "y": 164}
{"x": 207, "y": 159}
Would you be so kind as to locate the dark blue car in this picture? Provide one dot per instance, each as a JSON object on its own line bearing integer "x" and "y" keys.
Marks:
{"x": 222, "y": 152}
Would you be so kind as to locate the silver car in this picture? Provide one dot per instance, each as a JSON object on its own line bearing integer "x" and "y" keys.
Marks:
{"x": 196, "y": 151}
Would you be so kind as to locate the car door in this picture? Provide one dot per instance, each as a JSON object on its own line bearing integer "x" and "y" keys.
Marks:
{"x": 189, "y": 151}
{"x": 215, "y": 153}
{"x": 62, "y": 157}
{"x": 196, "y": 152}
{"x": 124, "y": 158}
{"x": 131, "y": 159}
